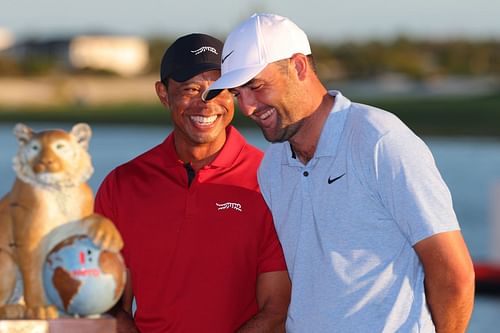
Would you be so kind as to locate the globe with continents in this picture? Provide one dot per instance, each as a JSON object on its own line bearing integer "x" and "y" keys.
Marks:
{"x": 81, "y": 279}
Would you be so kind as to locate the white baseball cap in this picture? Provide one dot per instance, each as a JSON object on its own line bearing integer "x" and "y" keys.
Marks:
{"x": 257, "y": 42}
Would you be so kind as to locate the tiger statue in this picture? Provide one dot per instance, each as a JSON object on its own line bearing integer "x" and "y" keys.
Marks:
{"x": 49, "y": 201}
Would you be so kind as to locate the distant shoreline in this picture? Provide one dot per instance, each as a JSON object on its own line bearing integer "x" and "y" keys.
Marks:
{"x": 439, "y": 115}
{"x": 60, "y": 91}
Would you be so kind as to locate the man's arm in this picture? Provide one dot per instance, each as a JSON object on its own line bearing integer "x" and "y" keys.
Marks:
{"x": 449, "y": 280}
{"x": 122, "y": 311}
{"x": 273, "y": 298}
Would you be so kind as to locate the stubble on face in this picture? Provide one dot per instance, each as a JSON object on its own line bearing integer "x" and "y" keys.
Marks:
{"x": 198, "y": 123}
{"x": 284, "y": 100}
{"x": 282, "y": 133}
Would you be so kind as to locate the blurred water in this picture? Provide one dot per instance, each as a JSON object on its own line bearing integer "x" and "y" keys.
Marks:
{"x": 470, "y": 166}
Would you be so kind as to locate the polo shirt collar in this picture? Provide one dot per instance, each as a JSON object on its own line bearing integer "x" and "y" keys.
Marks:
{"x": 231, "y": 149}
{"x": 330, "y": 134}
{"x": 225, "y": 158}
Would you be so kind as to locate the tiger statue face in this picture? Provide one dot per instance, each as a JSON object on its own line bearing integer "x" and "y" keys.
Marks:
{"x": 53, "y": 158}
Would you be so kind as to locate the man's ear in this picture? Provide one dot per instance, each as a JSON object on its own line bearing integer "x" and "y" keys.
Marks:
{"x": 301, "y": 65}
{"x": 162, "y": 93}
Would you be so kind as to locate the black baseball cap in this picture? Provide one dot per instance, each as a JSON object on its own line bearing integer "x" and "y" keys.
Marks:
{"x": 190, "y": 55}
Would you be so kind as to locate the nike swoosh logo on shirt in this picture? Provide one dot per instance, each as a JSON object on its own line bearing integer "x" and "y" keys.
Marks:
{"x": 334, "y": 179}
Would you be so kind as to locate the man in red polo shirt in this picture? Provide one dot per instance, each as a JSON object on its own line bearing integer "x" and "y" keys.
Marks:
{"x": 200, "y": 246}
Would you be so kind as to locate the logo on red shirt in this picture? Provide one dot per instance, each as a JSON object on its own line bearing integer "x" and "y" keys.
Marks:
{"x": 229, "y": 205}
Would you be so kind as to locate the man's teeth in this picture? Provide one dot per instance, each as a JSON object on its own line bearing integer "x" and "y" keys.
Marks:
{"x": 266, "y": 114}
{"x": 204, "y": 120}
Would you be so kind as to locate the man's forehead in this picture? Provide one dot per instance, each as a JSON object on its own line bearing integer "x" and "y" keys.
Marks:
{"x": 265, "y": 75}
{"x": 252, "y": 81}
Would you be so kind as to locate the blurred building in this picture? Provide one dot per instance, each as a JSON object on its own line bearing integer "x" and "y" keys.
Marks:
{"x": 126, "y": 56}
{"x": 6, "y": 39}
{"x": 40, "y": 67}
{"x": 122, "y": 55}
{"x": 54, "y": 51}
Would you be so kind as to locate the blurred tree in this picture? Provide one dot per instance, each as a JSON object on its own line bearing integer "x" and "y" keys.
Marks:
{"x": 406, "y": 57}
{"x": 8, "y": 66}
{"x": 157, "y": 47}
{"x": 38, "y": 66}
{"x": 416, "y": 59}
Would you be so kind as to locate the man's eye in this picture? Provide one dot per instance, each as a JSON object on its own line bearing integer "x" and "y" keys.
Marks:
{"x": 191, "y": 90}
{"x": 234, "y": 93}
{"x": 256, "y": 87}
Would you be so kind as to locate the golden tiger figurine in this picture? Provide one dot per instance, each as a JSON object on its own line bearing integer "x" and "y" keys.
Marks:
{"x": 49, "y": 202}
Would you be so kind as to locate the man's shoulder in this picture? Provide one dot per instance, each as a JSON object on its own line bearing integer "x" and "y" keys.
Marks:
{"x": 373, "y": 114}
{"x": 252, "y": 153}
{"x": 372, "y": 122}
{"x": 150, "y": 157}
{"x": 276, "y": 149}
{"x": 273, "y": 156}
{"x": 247, "y": 151}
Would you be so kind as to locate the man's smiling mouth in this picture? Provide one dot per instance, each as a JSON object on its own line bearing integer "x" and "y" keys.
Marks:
{"x": 202, "y": 120}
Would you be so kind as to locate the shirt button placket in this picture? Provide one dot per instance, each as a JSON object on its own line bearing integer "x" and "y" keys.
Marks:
{"x": 306, "y": 183}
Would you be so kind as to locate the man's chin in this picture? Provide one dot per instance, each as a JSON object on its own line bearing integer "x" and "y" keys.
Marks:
{"x": 205, "y": 138}
{"x": 271, "y": 136}
{"x": 279, "y": 135}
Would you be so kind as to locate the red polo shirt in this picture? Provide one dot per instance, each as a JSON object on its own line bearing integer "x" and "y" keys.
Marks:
{"x": 195, "y": 251}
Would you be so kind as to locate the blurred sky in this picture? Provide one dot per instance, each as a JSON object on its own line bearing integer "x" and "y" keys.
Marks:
{"x": 321, "y": 19}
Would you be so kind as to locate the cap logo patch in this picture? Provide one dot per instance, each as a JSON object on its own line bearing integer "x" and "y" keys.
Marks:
{"x": 204, "y": 49}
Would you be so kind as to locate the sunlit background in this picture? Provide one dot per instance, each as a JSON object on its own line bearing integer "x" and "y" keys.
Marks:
{"x": 436, "y": 64}
{"x": 55, "y": 53}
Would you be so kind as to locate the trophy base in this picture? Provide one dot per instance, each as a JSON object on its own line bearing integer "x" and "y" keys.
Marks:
{"x": 104, "y": 324}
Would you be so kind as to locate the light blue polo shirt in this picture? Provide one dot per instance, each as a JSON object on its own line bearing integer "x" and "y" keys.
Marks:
{"x": 348, "y": 221}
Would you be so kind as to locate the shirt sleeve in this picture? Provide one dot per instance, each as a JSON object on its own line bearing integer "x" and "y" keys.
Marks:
{"x": 104, "y": 205}
{"x": 264, "y": 178}
{"x": 271, "y": 256}
{"x": 411, "y": 187}
{"x": 103, "y": 199}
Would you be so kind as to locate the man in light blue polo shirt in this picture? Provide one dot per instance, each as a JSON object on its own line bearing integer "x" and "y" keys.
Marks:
{"x": 367, "y": 225}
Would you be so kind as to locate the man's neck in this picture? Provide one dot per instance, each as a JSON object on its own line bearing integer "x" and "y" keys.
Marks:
{"x": 199, "y": 155}
{"x": 305, "y": 142}
{"x": 197, "y": 164}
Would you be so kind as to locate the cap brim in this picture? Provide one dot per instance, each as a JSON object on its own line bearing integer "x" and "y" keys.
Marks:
{"x": 193, "y": 70}
{"x": 231, "y": 79}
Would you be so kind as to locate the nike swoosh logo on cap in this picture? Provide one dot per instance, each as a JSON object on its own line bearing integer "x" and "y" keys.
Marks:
{"x": 334, "y": 179}
{"x": 227, "y": 55}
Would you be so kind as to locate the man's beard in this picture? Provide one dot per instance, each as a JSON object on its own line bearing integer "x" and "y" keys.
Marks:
{"x": 283, "y": 133}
